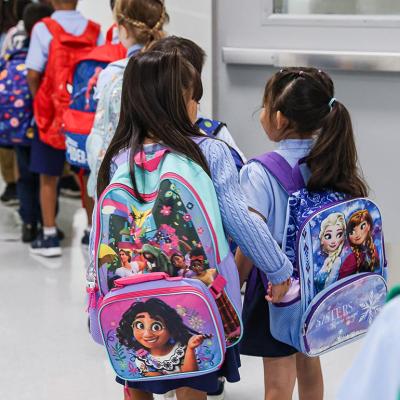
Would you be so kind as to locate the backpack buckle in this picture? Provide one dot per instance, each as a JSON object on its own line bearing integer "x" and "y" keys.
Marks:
{"x": 218, "y": 286}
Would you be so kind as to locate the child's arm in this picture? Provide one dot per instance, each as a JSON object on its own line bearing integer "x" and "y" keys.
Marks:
{"x": 34, "y": 78}
{"x": 244, "y": 265}
{"x": 247, "y": 229}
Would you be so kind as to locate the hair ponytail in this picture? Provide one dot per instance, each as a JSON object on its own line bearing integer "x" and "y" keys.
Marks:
{"x": 305, "y": 97}
{"x": 333, "y": 158}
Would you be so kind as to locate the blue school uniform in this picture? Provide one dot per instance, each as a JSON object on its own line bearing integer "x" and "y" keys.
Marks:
{"x": 45, "y": 159}
{"x": 265, "y": 195}
{"x": 253, "y": 237}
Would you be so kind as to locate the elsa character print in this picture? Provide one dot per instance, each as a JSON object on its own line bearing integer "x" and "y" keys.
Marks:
{"x": 332, "y": 237}
{"x": 364, "y": 256}
{"x": 162, "y": 343}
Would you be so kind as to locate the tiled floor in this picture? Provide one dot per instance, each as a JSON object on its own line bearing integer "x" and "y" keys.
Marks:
{"x": 45, "y": 350}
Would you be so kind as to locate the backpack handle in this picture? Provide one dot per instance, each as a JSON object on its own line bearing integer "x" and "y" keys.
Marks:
{"x": 142, "y": 278}
{"x": 152, "y": 164}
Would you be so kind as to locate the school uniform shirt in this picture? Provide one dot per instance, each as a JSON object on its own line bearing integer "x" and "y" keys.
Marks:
{"x": 112, "y": 70}
{"x": 264, "y": 194}
{"x": 375, "y": 372}
{"x": 72, "y": 22}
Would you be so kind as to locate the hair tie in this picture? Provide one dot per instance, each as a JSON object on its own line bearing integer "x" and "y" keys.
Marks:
{"x": 331, "y": 103}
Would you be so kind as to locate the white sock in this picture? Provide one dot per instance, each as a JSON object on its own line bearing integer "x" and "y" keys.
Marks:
{"x": 52, "y": 231}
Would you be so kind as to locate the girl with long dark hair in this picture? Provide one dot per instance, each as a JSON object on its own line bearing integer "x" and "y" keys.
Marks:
{"x": 160, "y": 97}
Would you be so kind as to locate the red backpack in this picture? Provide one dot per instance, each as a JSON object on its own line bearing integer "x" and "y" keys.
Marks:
{"x": 52, "y": 98}
{"x": 79, "y": 118}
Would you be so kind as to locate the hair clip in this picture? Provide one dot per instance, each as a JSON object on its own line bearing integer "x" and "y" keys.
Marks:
{"x": 301, "y": 73}
{"x": 331, "y": 103}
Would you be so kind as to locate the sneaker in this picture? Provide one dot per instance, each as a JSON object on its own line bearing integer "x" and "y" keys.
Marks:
{"x": 29, "y": 233}
{"x": 85, "y": 238}
{"x": 69, "y": 187}
{"x": 46, "y": 246}
{"x": 220, "y": 393}
{"x": 9, "y": 196}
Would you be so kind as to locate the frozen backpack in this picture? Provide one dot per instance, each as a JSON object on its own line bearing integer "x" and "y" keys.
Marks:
{"x": 16, "y": 114}
{"x": 336, "y": 246}
{"x": 79, "y": 118}
{"x": 52, "y": 99}
{"x": 211, "y": 128}
{"x": 166, "y": 298}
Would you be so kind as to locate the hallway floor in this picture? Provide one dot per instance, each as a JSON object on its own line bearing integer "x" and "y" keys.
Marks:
{"x": 46, "y": 351}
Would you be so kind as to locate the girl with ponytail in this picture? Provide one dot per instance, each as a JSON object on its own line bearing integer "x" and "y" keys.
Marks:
{"x": 301, "y": 114}
{"x": 160, "y": 96}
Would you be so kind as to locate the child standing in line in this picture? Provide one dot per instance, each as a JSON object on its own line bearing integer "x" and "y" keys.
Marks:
{"x": 28, "y": 182}
{"x": 302, "y": 116}
{"x": 140, "y": 23}
{"x": 160, "y": 99}
{"x": 48, "y": 160}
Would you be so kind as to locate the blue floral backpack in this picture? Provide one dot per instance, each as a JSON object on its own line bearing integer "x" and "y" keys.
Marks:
{"x": 336, "y": 246}
{"x": 16, "y": 113}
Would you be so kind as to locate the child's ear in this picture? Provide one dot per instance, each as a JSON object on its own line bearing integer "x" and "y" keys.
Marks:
{"x": 281, "y": 121}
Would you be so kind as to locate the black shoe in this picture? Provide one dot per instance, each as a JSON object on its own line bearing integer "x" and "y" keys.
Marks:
{"x": 60, "y": 234}
{"x": 85, "y": 238}
{"x": 219, "y": 394}
{"x": 29, "y": 233}
{"x": 9, "y": 196}
{"x": 69, "y": 187}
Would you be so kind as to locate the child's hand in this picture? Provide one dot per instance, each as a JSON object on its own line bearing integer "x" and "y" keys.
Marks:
{"x": 275, "y": 293}
{"x": 195, "y": 341}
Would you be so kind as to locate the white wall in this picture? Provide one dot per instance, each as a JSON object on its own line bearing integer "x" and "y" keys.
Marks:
{"x": 188, "y": 18}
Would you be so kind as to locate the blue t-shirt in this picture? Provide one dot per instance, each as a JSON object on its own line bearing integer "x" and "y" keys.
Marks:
{"x": 72, "y": 22}
{"x": 264, "y": 194}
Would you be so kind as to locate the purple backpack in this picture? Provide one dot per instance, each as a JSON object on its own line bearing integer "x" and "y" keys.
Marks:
{"x": 165, "y": 300}
{"x": 335, "y": 244}
{"x": 16, "y": 113}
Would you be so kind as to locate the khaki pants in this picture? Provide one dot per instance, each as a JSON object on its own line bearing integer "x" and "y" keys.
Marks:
{"x": 8, "y": 165}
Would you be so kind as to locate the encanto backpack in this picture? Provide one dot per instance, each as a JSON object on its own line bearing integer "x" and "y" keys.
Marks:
{"x": 164, "y": 297}
{"x": 336, "y": 246}
{"x": 16, "y": 114}
{"x": 52, "y": 99}
{"x": 79, "y": 118}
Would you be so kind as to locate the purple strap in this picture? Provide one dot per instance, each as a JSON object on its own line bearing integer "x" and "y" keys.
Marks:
{"x": 291, "y": 179}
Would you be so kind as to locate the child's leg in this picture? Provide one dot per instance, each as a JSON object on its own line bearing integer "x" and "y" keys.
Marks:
{"x": 186, "y": 393}
{"x": 88, "y": 202}
{"x": 48, "y": 199}
{"x": 309, "y": 377}
{"x": 135, "y": 394}
{"x": 279, "y": 377}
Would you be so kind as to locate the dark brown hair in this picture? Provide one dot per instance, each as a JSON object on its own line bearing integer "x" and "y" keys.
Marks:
{"x": 303, "y": 96}
{"x": 153, "y": 105}
{"x": 185, "y": 47}
{"x": 145, "y": 19}
{"x": 33, "y": 13}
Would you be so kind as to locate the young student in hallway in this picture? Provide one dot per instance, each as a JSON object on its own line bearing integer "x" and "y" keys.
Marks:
{"x": 302, "y": 116}
{"x": 153, "y": 82}
{"x": 140, "y": 23}
{"x": 48, "y": 158}
{"x": 28, "y": 182}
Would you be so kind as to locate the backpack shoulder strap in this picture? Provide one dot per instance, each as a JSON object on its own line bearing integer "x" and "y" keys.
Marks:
{"x": 289, "y": 178}
{"x": 54, "y": 27}
{"x": 92, "y": 31}
{"x": 210, "y": 126}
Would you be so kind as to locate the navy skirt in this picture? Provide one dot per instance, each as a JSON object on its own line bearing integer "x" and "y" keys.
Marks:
{"x": 206, "y": 383}
{"x": 257, "y": 338}
{"x": 46, "y": 160}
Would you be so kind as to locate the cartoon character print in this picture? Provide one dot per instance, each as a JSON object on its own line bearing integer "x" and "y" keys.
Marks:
{"x": 161, "y": 342}
{"x": 364, "y": 256}
{"x": 332, "y": 239}
{"x": 128, "y": 266}
{"x": 91, "y": 85}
